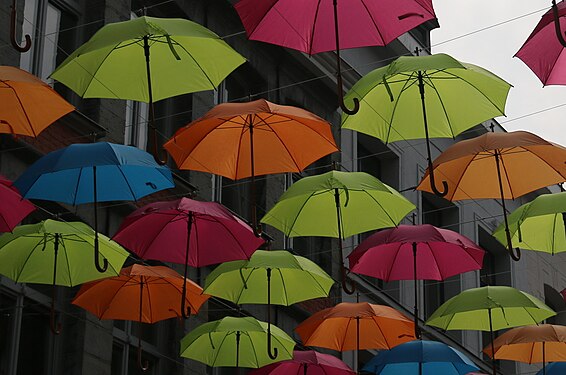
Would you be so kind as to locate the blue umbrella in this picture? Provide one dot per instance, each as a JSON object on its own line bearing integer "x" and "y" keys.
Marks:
{"x": 556, "y": 368}
{"x": 92, "y": 173}
{"x": 420, "y": 358}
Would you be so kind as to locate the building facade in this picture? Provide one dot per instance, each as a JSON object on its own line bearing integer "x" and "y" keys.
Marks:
{"x": 91, "y": 346}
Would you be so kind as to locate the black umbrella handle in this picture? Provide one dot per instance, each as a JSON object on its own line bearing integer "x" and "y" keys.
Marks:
{"x": 557, "y": 24}
{"x": 186, "y": 311}
{"x": 55, "y": 327}
{"x": 13, "y": 39}
{"x": 104, "y": 266}
{"x": 272, "y": 353}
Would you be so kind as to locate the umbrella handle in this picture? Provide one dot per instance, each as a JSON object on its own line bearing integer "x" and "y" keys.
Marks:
{"x": 144, "y": 365}
{"x": 13, "y": 40}
{"x": 275, "y": 351}
{"x": 433, "y": 182}
{"x": 53, "y": 325}
{"x": 104, "y": 266}
{"x": 557, "y": 24}
{"x": 515, "y": 253}
{"x": 345, "y": 283}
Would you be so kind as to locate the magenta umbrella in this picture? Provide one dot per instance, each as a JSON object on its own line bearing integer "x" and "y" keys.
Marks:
{"x": 543, "y": 51}
{"x": 13, "y": 208}
{"x": 311, "y": 26}
{"x": 188, "y": 232}
{"x": 307, "y": 363}
{"x": 436, "y": 254}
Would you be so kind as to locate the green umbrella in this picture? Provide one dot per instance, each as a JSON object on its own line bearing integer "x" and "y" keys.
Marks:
{"x": 538, "y": 225}
{"x": 233, "y": 342}
{"x": 458, "y": 96}
{"x": 337, "y": 204}
{"x": 148, "y": 59}
{"x": 30, "y": 252}
{"x": 490, "y": 308}
{"x": 295, "y": 279}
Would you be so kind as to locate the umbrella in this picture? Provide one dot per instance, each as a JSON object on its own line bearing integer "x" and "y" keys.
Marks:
{"x": 29, "y": 105}
{"x": 239, "y": 140}
{"x": 390, "y": 94}
{"x": 499, "y": 165}
{"x": 538, "y": 225}
{"x": 13, "y": 39}
{"x": 337, "y": 204}
{"x": 421, "y": 358}
{"x": 531, "y": 344}
{"x": 188, "y": 232}
{"x": 13, "y": 208}
{"x": 27, "y": 255}
{"x": 146, "y": 294}
{"x": 94, "y": 172}
{"x": 307, "y": 362}
{"x": 312, "y": 26}
{"x": 557, "y": 368}
{"x": 543, "y": 50}
{"x": 233, "y": 342}
{"x": 490, "y": 308}
{"x": 294, "y": 279}
{"x": 436, "y": 254}
{"x": 355, "y": 326}
{"x": 115, "y": 63}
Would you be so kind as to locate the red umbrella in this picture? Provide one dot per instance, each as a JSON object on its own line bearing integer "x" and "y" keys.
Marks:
{"x": 13, "y": 208}
{"x": 187, "y": 232}
{"x": 543, "y": 51}
{"x": 307, "y": 362}
{"x": 312, "y": 26}
{"x": 436, "y": 254}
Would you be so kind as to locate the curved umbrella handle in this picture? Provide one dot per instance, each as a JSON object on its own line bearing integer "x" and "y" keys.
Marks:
{"x": 144, "y": 365}
{"x": 346, "y": 109}
{"x": 53, "y": 324}
{"x": 514, "y": 253}
{"x": 104, "y": 266}
{"x": 435, "y": 189}
{"x": 557, "y": 24}
{"x": 345, "y": 283}
{"x": 275, "y": 352}
{"x": 13, "y": 40}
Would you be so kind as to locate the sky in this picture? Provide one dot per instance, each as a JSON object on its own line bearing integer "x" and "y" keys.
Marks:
{"x": 493, "y": 49}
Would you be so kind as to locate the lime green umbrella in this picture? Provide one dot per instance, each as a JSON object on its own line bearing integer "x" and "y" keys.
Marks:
{"x": 148, "y": 59}
{"x": 57, "y": 253}
{"x": 234, "y": 342}
{"x": 337, "y": 204}
{"x": 490, "y": 308}
{"x": 269, "y": 277}
{"x": 539, "y": 225}
{"x": 454, "y": 97}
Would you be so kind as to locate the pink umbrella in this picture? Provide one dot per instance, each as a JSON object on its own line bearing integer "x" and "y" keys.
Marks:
{"x": 543, "y": 51}
{"x": 311, "y": 26}
{"x": 13, "y": 208}
{"x": 308, "y": 363}
{"x": 435, "y": 253}
{"x": 187, "y": 232}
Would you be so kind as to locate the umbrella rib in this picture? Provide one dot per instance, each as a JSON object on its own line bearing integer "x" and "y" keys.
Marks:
{"x": 554, "y": 233}
{"x": 285, "y": 146}
{"x": 297, "y": 215}
{"x": 253, "y": 346}
{"x": 92, "y": 75}
{"x": 124, "y": 285}
{"x": 262, "y": 18}
{"x": 284, "y": 287}
{"x": 219, "y": 347}
{"x": 478, "y": 90}
{"x": 380, "y": 206}
{"x": 148, "y": 302}
{"x": 345, "y": 334}
{"x": 393, "y": 263}
{"x": 532, "y": 152}
{"x": 435, "y": 262}
{"x": 196, "y": 62}
{"x": 244, "y": 127}
{"x": 157, "y": 235}
{"x": 27, "y": 258}
{"x": 233, "y": 236}
{"x": 62, "y": 243}
{"x": 127, "y": 183}
{"x": 246, "y": 283}
{"x": 310, "y": 43}
{"x": 77, "y": 187}
{"x": 461, "y": 177}
{"x": 23, "y": 110}
{"x": 442, "y": 105}
{"x": 373, "y": 21}
{"x": 390, "y": 122}
{"x": 314, "y": 131}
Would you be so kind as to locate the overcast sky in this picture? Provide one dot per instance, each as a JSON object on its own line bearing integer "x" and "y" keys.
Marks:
{"x": 493, "y": 49}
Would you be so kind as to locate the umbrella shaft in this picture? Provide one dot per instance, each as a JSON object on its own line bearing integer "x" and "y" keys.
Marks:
{"x": 492, "y": 339}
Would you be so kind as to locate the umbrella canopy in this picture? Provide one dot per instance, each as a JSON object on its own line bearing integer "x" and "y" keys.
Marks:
{"x": 239, "y": 140}
{"x": 292, "y": 279}
{"x": 307, "y": 362}
{"x": 538, "y": 225}
{"x": 498, "y": 165}
{"x": 29, "y": 105}
{"x": 94, "y": 172}
{"x": 233, "y": 342}
{"x": 543, "y": 52}
{"x": 435, "y": 253}
{"x": 185, "y": 57}
{"x": 13, "y": 208}
{"x": 490, "y": 308}
{"x": 355, "y": 326}
{"x": 154, "y": 289}
{"x": 57, "y": 253}
{"x": 421, "y": 358}
{"x": 312, "y": 26}
{"x": 531, "y": 344}
{"x": 557, "y": 368}
{"x": 337, "y": 204}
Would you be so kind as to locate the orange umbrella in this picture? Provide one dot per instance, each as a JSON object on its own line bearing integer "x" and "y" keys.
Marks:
{"x": 239, "y": 140}
{"x": 156, "y": 290}
{"x": 499, "y": 165}
{"x": 29, "y": 105}
{"x": 531, "y": 344}
{"x": 355, "y": 326}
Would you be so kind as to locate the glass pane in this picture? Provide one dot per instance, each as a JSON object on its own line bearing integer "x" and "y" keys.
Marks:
{"x": 50, "y": 40}
{"x": 35, "y": 337}
{"x": 28, "y": 28}
{"x": 117, "y": 358}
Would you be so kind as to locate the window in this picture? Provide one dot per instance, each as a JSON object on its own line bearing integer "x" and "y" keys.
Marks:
{"x": 377, "y": 159}
{"x": 125, "y": 348}
{"x": 135, "y": 131}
